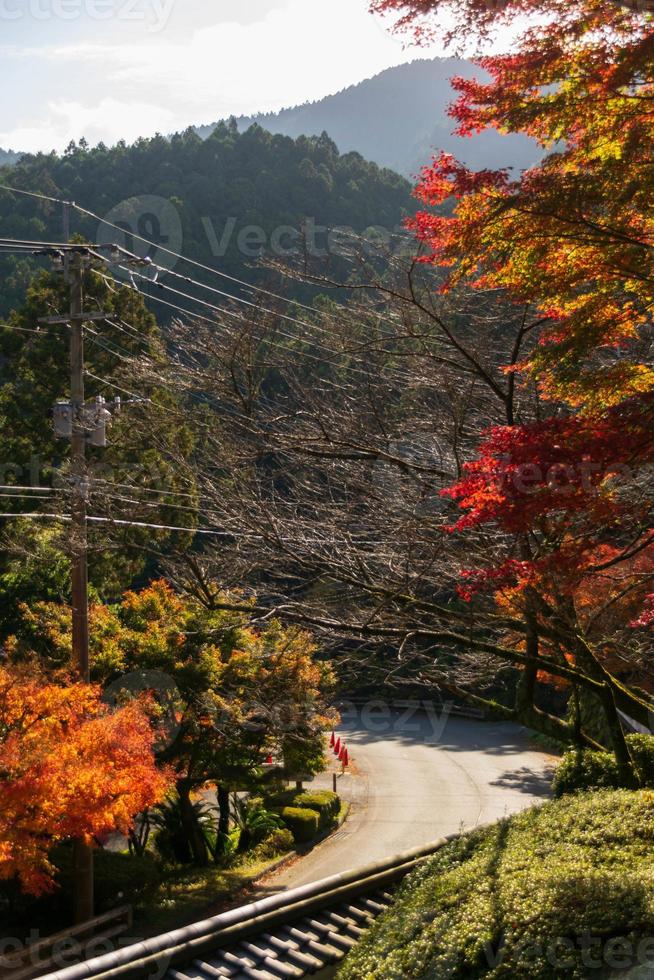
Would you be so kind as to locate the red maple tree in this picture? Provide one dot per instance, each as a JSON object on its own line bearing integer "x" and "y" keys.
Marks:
{"x": 566, "y": 492}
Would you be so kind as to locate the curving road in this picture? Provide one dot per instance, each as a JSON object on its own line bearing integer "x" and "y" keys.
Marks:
{"x": 417, "y": 777}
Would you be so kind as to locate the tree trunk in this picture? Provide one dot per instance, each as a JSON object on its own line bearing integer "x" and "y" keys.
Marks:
{"x": 224, "y": 810}
{"x": 192, "y": 830}
{"x": 620, "y": 748}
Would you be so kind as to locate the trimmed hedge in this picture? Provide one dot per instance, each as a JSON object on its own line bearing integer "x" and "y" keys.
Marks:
{"x": 561, "y": 890}
{"x": 274, "y": 845}
{"x": 586, "y": 769}
{"x": 302, "y": 823}
{"x": 324, "y": 802}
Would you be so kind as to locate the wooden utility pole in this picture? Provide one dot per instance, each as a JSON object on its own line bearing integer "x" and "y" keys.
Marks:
{"x": 83, "y": 898}
{"x": 83, "y": 866}
{"x": 78, "y": 475}
{"x": 75, "y": 262}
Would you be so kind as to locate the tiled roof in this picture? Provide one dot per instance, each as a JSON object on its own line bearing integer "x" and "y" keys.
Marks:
{"x": 298, "y": 949}
{"x": 303, "y": 932}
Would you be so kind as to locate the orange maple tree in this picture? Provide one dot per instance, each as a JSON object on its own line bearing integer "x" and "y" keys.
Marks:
{"x": 69, "y": 768}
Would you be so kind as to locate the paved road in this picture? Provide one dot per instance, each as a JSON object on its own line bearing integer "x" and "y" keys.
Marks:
{"x": 418, "y": 779}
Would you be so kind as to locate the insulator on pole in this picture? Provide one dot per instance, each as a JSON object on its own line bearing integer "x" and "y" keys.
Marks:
{"x": 98, "y": 418}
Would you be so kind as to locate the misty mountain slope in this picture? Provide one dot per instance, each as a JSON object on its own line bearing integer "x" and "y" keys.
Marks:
{"x": 399, "y": 120}
{"x": 8, "y": 158}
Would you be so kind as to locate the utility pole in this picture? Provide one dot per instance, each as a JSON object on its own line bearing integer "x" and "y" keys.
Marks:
{"x": 83, "y": 898}
{"x": 74, "y": 421}
{"x": 83, "y": 866}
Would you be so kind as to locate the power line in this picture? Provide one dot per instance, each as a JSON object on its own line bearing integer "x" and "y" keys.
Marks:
{"x": 32, "y": 243}
{"x": 184, "y": 258}
{"x": 22, "y": 496}
{"x": 270, "y": 342}
{"x": 36, "y": 517}
{"x": 132, "y": 486}
{"x": 41, "y": 197}
{"x": 11, "y": 326}
{"x": 12, "y": 486}
{"x": 111, "y": 384}
{"x": 141, "y": 524}
{"x": 171, "y": 527}
{"x": 153, "y": 505}
{"x": 200, "y": 265}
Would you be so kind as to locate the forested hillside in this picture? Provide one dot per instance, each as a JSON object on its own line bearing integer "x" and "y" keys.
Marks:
{"x": 399, "y": 119}
{"x": 222, "y": 200}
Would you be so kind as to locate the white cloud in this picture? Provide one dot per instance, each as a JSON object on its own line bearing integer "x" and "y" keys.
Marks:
{"x": 109, "y": 120}
{"x": 299, "y": 51}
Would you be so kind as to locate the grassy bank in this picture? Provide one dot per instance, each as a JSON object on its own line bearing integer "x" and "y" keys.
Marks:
{"x": 562, "y": 890}
{"x": 188, "y": 894}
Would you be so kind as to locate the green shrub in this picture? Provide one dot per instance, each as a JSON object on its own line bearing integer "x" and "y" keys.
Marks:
{"x": 119, "y": 879}
{"x": 303, "y": 824}
{"x": 275, "y": 844}
{"x": 171, "y": 839}
{"x": 586, "y": 769}
{"x": 254, "y": 821}
{"x": 522, "y": 899}
{"x": 284, "y": 797}
{"x": 642, "y": 750}
{"x": 583, "y": 769}
{"x": 326, "y": 803}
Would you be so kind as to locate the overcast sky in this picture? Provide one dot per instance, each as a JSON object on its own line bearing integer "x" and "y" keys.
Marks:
{"x": 112, "y": 69}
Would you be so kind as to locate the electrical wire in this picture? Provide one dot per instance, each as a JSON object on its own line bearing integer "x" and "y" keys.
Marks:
{"x": 12, "y": 486}
{"x": 41, "y": 197}
{"x": 282, "y": 347}
{"x": 132, "y": 486}
{"x": 156, "y": 505}
{"x": 22, "y": 496}
{"x": 203, "y": 286}
{"x": 184, "y": 258}
{"x": 146, "y": 241}
{"x": 111, "y": 384}
{"x": 10, "y": 326}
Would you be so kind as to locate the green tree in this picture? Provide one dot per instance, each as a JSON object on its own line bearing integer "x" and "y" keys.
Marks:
{"x": 237, "y": 694}
{"x": 34, "y": 374}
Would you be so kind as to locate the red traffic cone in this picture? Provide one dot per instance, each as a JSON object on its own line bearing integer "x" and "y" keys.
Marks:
{"x": 345, "y": 758}
{"x": 269, "y": 760}
{"x": 332, "y": 741}
{"x": 337, "y": 747}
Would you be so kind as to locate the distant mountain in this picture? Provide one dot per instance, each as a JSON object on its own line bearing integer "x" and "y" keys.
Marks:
{"x": 8, "y": 158}
{"x": 398, "y": 119}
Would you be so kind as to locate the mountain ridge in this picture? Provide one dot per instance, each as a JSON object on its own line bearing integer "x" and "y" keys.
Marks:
{"x": 398, "y": 119}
